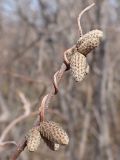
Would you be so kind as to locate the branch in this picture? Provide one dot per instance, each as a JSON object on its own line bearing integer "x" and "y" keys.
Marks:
{"x": 26, "y": 107}
{"x": 80, "y": 15}
{"x": 3, "y": 144}
{"x": 47, "y": 98}
{"x": 20, "y": 76}
{"x": 5, "y": 112}
{"x": 42, "y": 106}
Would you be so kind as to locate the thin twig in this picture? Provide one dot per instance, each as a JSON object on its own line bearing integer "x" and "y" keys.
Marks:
{"x": 20, "y": 76}
{"x": 26, "y": 107}
{"x": 5, "y": 112}
{"x": 79, "y": 18}
{"x": 3, "y": 144}
{"x": 19, "y": 149}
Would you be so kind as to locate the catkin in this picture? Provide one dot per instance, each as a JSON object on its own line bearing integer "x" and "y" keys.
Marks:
{"x": 53, "y": 132}
{"x": 33, "y": 139}
{"x": 89, "y": 41}
{"x": 52, "y": 145}
{"x": 79, "y": 66}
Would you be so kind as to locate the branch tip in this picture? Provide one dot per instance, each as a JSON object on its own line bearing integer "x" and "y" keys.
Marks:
{"x": 80, "y": 15}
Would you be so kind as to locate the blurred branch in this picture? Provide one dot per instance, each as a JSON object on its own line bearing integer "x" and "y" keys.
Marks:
{"x": 25, "y": 18}
{"x": 27, "y": 48}
{"x": 83, "y": 143}
{"x": 22, "y": 77}
{"x": 6, "y": 143}
{"x": 5, "y": 112}
{"x": 86, "y": 122}
{"x": 26, "y": 107}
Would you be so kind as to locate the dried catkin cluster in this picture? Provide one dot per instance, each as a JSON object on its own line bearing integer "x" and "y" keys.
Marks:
{"x": 76, "y": 56}
{"x": 52, "y": 134}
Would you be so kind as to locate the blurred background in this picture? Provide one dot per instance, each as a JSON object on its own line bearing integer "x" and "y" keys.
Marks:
{"x": 33, "y": 37}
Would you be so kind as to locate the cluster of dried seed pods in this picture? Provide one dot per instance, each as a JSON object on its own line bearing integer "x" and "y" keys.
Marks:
{"x": 76, "y": 56}
{"x": 52, "y": 134}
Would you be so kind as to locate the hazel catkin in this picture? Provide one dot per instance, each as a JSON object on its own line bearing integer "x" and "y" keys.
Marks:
{"x": 33, "y": 139}
{"x": 52, "y": 145}
{"x": 53, "y": 132}
{"x": 79, "y": 66}
{"x": 89, "y": 41}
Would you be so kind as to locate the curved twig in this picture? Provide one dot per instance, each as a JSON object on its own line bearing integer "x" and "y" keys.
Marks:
{"x": 45, "y": 102}
{"x": 3, "y": 144}
{"x": 80, "y": 15}
{"x": 54, "y": 89}
{"x": 26, "y": 107}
